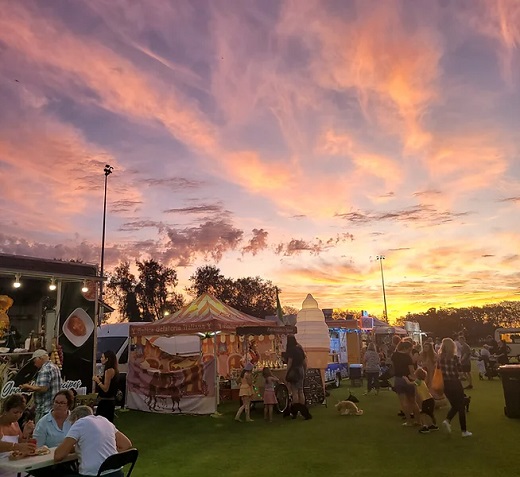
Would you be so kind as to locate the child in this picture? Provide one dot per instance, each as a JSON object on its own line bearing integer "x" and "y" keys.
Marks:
{"x": 425, "y": 401}
{"x": 269, "y": 395}
{"x": 245, "y": 393}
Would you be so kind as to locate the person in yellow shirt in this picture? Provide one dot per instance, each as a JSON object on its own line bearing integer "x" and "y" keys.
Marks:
{"x": 425, "y": 402}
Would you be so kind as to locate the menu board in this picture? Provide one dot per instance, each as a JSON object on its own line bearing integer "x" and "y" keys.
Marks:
{"x": 313, "y": 387}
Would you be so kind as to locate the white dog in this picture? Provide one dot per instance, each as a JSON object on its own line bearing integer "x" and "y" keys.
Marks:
{"x": 348, "y": 407}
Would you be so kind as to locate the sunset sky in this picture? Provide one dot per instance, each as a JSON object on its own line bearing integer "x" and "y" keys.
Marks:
{"x": 291, "y": 140}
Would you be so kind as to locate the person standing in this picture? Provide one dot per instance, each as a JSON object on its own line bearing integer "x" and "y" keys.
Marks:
{"x": 245, "y": 393}
{"x": 428, "y": 361}
{"x": 296, "y": 369}
{"x": 501, "y": 353}
{"x": 269, "y": 393}
{"x": 95, "y": 439}
{"x": 47, "y": 383}
{"x": 107, "y": 387}
{"x": 465, "y": 361}
{"x": 372, "y": 363}
{"x": 403, "y": 367}
{"x": 450, "y": 366}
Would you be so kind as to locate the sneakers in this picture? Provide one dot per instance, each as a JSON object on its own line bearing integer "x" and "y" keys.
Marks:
{"x": 424, "y": 430}
{"x": 467, "y": 434}
{"x": 447, "y": 426}
{"x": 433, "y": 428}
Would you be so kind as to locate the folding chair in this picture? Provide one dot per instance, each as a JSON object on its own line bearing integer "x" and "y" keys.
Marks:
{"x": 119, "y": 460}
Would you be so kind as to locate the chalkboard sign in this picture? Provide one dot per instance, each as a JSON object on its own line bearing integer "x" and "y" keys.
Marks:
{"x": 313, "y": 387}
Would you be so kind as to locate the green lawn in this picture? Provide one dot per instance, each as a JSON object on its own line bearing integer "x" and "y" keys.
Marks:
{"x": 328, "y": 445}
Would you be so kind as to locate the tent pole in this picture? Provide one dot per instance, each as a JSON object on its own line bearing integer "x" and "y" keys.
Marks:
{"x": 217, "y": 381}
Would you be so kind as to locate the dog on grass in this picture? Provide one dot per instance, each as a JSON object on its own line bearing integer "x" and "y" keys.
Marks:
{"x": 348, "y": 407}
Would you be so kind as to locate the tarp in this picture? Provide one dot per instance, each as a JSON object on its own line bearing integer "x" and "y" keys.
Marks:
{"x": 159, "y": 381}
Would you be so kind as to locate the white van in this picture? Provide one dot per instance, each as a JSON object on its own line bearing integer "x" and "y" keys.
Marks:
{"x": 511, "y": 336}
{"x": 115, "y": 337}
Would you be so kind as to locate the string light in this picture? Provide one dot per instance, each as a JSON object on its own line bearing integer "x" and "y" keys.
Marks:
{"x": 84, "y": 288}
{"x": 52, "y": 285}
{"x": 17, "y": 283}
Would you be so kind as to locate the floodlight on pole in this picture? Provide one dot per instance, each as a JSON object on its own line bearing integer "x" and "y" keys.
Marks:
{"x": 380, "y": 258}
{"x": 107, "y": 170}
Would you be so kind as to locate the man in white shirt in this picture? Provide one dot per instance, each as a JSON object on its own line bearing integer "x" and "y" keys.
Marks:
{"x": 95, "y": 438}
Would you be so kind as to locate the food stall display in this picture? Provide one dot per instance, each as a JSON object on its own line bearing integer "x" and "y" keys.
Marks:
{"x": 215, "y": 323}
{"x": 46, "y": 309}
{"x": 263, "y": 347}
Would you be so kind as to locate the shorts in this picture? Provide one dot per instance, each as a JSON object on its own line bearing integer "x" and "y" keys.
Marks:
{"x": 402, "y": 387}
{"x": 428, "y": 406}
{"x": 466, "y": 368}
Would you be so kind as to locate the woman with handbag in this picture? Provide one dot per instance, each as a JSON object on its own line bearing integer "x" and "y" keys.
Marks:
{"x": 450, "y": 366}
{"x": 296, "y": 369}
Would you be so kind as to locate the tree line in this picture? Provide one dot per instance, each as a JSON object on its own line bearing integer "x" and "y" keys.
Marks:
{"x": 150, "y": 294}
{"x": 475, "y": 322}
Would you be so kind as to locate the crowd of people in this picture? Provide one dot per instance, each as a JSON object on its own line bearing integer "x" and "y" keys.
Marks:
{"x": 55, "y": 422}
{"x": 414, "y": 367}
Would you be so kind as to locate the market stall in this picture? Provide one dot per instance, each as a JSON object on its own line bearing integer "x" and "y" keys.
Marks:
{"x": 194, "y": 382}
{"x": 47, "y": 304}
{"x": 268, "y": 343}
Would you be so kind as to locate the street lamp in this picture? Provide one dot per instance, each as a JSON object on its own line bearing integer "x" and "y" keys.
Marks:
{"x": 107, "y": 170}
{"x": 381, "y": 258}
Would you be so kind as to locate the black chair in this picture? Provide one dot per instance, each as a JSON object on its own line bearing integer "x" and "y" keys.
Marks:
{"x": 119, "y": 460}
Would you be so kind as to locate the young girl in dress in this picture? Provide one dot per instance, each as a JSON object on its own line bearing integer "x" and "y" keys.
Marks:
{"x": 269, "y": 394}
{"x": 245, "y": 393}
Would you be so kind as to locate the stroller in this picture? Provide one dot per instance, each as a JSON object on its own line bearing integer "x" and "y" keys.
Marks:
{"x": 384, "y": 377}
{"x": 487, "y": 367}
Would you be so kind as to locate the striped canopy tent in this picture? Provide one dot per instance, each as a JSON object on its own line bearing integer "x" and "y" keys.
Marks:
{"x": 208, "y": 314}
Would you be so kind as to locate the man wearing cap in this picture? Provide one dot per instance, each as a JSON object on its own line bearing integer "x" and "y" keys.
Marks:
{"x": 47, "y": 384}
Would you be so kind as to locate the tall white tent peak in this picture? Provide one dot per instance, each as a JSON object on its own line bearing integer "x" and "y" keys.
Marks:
{"x": 309, "y": 302}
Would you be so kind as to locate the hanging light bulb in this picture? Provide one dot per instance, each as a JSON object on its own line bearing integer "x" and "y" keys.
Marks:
{"x": 17, "y": 283}
{"x": 84, "y": 288}
{"x": 52, "y": 285}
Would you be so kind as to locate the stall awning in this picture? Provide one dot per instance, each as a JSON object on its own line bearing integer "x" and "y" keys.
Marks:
{"x": 204, "y": 314}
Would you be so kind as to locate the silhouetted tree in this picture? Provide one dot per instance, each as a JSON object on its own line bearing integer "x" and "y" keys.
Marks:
{"x": 251, "y": 295}
{"x": 147, "y": 297}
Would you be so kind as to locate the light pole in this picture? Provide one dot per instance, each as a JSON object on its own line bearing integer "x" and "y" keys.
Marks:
{"x": 107, "y": 170}
{"x": 380, "y": 258}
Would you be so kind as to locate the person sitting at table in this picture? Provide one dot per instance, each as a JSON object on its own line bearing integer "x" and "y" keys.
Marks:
{"x": 12, "y": 437}
{"x": 94, "y": 438}
{"x": 53, "y": 427}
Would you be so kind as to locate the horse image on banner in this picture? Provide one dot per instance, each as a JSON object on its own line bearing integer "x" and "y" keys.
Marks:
{"x": 159, "y": 381}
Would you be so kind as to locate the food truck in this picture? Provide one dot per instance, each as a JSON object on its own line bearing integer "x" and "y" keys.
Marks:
{"x": 345, "y": 350}
{"x": 48, "y": 304}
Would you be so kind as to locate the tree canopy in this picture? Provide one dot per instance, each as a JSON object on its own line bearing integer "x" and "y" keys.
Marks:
{"x": 252, "y": 295}
{"x": 149, "y": 295}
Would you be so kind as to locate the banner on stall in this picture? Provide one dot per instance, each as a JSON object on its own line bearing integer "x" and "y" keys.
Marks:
{"x": 158, "y": 381}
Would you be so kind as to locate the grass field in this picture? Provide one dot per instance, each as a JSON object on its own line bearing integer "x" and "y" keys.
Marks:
{"x": 328, "y": 445}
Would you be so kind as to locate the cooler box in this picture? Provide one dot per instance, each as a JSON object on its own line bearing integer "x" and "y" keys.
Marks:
{"x": 355, "y": 373}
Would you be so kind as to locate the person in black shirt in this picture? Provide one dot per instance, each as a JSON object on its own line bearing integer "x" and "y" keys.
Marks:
{"x": 403, "y": 366}
{"x": 107, "y": 387}
{"x": 296, "y": 369}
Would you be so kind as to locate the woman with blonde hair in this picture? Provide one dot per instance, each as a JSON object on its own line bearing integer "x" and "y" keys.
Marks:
{"x": 450, "y": 366}
{"x": 428, "y": 360}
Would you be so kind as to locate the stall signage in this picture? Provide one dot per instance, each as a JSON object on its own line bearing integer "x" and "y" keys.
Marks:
{"x": 313, "y": 387}
{"x": 10, "y": 388}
